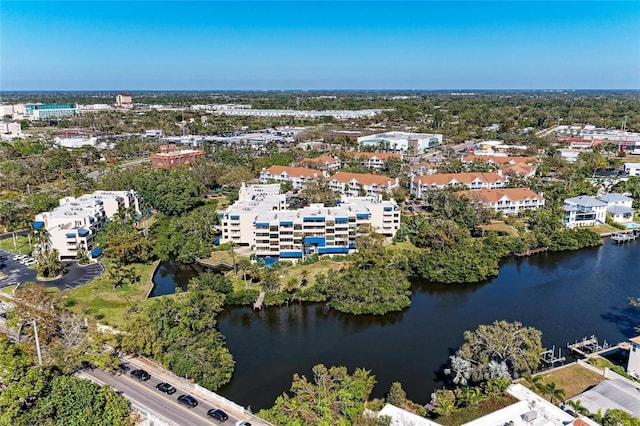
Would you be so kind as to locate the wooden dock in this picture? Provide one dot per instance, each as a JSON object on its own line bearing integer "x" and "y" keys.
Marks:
{"x": 258, "y": 304}
{"x": 586, "y": 346}
{"x": 529, "y": 252}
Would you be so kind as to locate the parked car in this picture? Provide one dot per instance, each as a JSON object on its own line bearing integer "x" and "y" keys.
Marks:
{"x": 19, "y": 256}
{"x": 30, "y": 262}
{"x": 187, "y": 400}
{"x": 140, "y": 375}
{"x": 242, "y": 423}
{"x": 166, "y": 388}
{"x": 218, "y": 414}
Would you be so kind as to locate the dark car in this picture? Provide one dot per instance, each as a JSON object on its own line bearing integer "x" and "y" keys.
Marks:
{"x": 187, "y": 400}
{"x": 140, "y": 375}
{"x": 218, "y": 414}
{"x": 166, "y": 388}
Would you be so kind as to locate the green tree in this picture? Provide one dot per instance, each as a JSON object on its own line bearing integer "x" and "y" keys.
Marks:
{"x": 517, "y": 346}
{"x": 333, "y": 397}
{"x": 555, "y": 393}
{"x": 617, "y": 417}
{"x": 72, "y": 401}
{"x": 396, "y": 395}
{"x": 578, "y": 408}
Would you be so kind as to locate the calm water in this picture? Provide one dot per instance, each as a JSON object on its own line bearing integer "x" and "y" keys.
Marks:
{"x": 566, "y": 295}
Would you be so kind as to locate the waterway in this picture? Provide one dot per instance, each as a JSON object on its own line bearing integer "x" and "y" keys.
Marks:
{"x": 566, "y": 295}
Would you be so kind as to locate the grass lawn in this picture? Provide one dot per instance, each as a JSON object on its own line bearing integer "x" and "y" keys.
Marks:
{"x": 604, "y": 229}
{"x": 467, "y": 414}
{"x": 499, "y": 226}
{"x": 101, "y": 302}
{"x": 22, "y": 243}
{"x": 574, "y": 379}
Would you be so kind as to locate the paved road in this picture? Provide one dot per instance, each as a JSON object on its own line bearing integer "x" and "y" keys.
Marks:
{"x": 75, "y": 275}
{"x": 145, "y": 394}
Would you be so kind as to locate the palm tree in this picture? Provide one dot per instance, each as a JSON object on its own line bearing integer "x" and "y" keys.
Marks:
{"x": 578, "y": 408}
{"x": 536, "y": 382}
{"x": 554, "y": 392}
{"x": 42, "y": 240}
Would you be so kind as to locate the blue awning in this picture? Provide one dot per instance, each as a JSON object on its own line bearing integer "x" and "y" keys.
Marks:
{"x": 388, "y": 208}
{"x": 315, "y": 240}
{"x": 286, "y": 223}
{"x": 362, "y": 216}
{"x": 262, "y": 225}
{"x": 333, "y": 250}
{"x": 313, "y": 219}
{"x": 342, "y": 220}
{"x": 96, "y": 252}
{"x": 235, "y": 217}
{"x": 269, "y": 261}
{"x": 38, "y": 225}
{"x": 83, "y": 232}
{"x": 290, "y": 254}
{"x": 70, "y": 234}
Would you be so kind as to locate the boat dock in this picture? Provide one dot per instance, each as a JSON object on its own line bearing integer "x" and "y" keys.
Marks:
{"x": 586, "y": 346}
{"x": 258, "y": 304}
{"x": 624, "y": 236}
{"x": 529, "y": 252}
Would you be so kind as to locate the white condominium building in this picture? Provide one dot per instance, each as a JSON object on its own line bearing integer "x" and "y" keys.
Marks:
{"x": 412, "y": 143}
{"x": 508, "y": 201}
{"x": 237, "y": 220}
{"x": 74, "y": 224}
{"x": 274, "y": 232}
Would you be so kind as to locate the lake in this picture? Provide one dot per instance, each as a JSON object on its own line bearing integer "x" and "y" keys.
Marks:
{"x": 566, "y": 295}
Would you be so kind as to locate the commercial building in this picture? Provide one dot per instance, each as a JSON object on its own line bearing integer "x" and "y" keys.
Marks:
{"x": 170, "y": 157}
{"x": 73, "y": 225}
{"x": 260, "y": 219}
{"x": 298, "y": 177}
{"x": 411, "y": 143}
{"x": 124, "y": 100}
{"x": 584, "y": 211}
{"x": 47, "y": 111}
{"x": 508, "y": 201}
{"x": 337, "y": 114}
{"x": 420, "y": 185}
{"x": 362, "y": 184}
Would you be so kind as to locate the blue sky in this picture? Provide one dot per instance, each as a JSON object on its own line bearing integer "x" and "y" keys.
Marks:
{"x": 147, "y": 45}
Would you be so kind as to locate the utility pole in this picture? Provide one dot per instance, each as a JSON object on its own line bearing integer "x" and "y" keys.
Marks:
{"x": 35, "y": 332}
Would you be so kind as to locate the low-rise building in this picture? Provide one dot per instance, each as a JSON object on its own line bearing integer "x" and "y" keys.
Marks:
{"x": 584, "y": 211}
{"x": 411, "y": 143}
{"x": 619, "y": 207}
{"x": 10, "y": 130}
{"x": 73, "y": 225}
{"x": 298, "y": 177}
{"x": 508, "y": 201}
{"x": 633, "y": 364}
{"x": 420, "y": 185}
{"x": 47, "y": 111}
{"x": 518, "y": 166}
{"x": 322, "y": 163}
{"x": 362, "y": 184}
{"x": 376, "y": 160}
{"x": 170, "y": 157}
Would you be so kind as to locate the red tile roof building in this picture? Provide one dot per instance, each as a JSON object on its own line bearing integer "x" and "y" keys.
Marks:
{"x": 357, "y": 184}
{"x": 421, "y": 184}
{"x": 518, "y": 166}
{"x": 170, "y": 157}
{"x": 508, "y": 201}
{"x": 297, "y": 176}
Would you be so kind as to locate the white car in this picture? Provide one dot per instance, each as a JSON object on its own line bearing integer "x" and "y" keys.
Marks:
{"x": 30, "y": 262}
{"x": 20, "y": 256}
{"x": 25, "y": 260}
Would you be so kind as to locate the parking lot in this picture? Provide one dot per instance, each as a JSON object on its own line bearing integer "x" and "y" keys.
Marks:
{"x": 16, "y": 273}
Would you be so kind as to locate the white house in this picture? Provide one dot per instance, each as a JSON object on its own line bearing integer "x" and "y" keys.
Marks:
{"x": 619, "y": 206}
{"x": 421, "y": 184}
{"x": 633, "y": 365}
{"x": 584, "y": 211}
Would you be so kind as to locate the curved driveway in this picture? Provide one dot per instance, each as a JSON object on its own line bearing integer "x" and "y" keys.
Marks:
{"x": 75, "y": 274}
